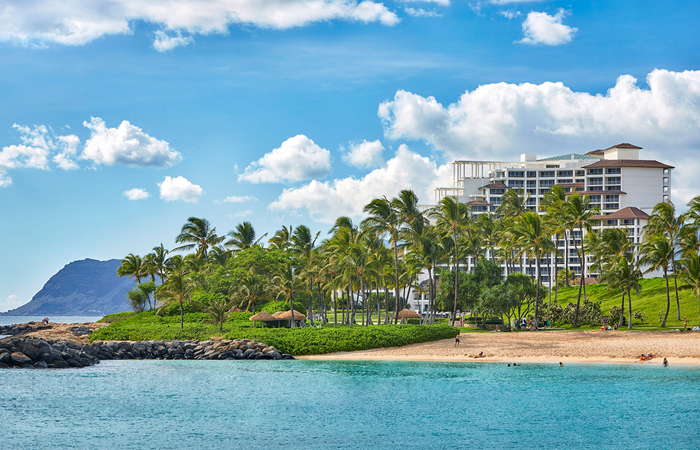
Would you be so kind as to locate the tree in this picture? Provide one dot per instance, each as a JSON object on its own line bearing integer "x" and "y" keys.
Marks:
{"x": 243, "y": 237}
{"x": 578, "y": 211}
{"x": 197, "y": 233}
{"x": 531, "y": 233}
{"x": 132, "y": 266}
{"x": 218, "y": 310}
{"x": 282, "y": 238}
{"x": 137, "y": 300}
{"x": 622, "y": 273}
{"x": 690, "y": 273}
{"x": 426, "y": 251}
{"x": 178, "y": 288}
{"x": 452, "y": 217}
{"x": 553, "y": 203}
{"x": 250, "y": 290}
{"x": 287, "y": 282}
{"x": 219, "y": 256}
{"x": 658, "y": 253}
{"x": 303, "y": 243}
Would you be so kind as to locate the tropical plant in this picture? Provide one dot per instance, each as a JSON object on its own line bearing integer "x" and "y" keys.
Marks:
{"x": 197, "y": 233}
{"x": 179, "y": 289}
{"x": 658, "y": 253}
{"x": 243, "y": 237}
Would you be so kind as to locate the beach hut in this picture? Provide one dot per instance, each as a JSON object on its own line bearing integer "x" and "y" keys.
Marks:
{"x": 262, "y": 317}
{"x": 287, "y": 315}
{"x": 408, "y": 314}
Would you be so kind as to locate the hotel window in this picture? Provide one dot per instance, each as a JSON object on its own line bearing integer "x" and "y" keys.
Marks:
{"x": 515, "y": 183}
{"x": 613, "y": 170}
{"x": 595, "y": 198}
{"x": 612, "y": 180}
{"x": 495, "y": 200}
{"x": 531, "y": 183}
{"x": 628, "y": 222}
{"x": 532, "y": 174}
{"x": 546, "y": 183}
{"x": 580, "y": 173}
{"x": 595, "y": 188}
{"x": 545, "y": 191}
{"x": 532, "y": 191}
{"x": 595, "y": 181}
{"x": 595, "y": 171}
{"x": 612, "y": 198}
{"x": 516, "y": 174}
{"x": 580, "y": 180}
{"x": 612, "y": 222}
{"x": 547, "y": 174}
{"x": 532, "y": 202}
{"x": 497, "y": 191}
{"x": 665, "y": 171}
{"x": 665, "y": 180}
{"x": 566, "y": 181}
{"x": 665, "y": 198}
{"x": 565, "y": 173}
{"x": 552, "y": 166}
{"x": 611, "y": 206}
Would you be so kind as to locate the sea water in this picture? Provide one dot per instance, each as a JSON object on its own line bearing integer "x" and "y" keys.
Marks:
{"x": 358, "y": 405}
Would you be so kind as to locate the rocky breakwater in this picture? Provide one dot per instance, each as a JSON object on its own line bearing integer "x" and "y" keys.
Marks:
{"x": 39, "y": 353}
{"x": 12, "y": 330}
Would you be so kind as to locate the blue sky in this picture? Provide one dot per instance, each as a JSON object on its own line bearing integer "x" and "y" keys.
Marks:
{"x": 306, "y": 109}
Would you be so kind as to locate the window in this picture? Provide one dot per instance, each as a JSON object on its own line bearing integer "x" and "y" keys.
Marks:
{"x": 552, "y": 166}
{"x": 515, "y": 183}
{"x": 628, "y": 222}
{"x": 545, "y": 191}
{"x": 532, "y": 174}
{"x": 547, "y": 174}
{"x": 580, "y": 173}
{"x": 478, "y": 208}
{"x": 580, "y": 180}
{"x": 613, "y": 170}
{"x": 565, "y": 173}
{"x": 566, "y": 181}
{"x": 665, "y": 198}
{"x": 595, "y": 188}
{"x": 595, "y": 171}
{"x": 611, "y": 222}
{"x": 665, "y": 171}
{"x": 595, "y": 198}
{"x": 497, "y": 191}
{"x": 612, "y": 180}
{"x": 665, "y": 189}
{"x": 531, "y": 202}
{"x": 595, "y": 181}
{"x": 519, "y": 174}
{"x": 612, "y": 198}
{"x": 532, "y": 191}
{"x": 495, "y": 200}
{"x": 665, "y": 181}
{"x": 546, "y": 183}
{"x": 611, "y": 206}
{"x": 531, "y": 183}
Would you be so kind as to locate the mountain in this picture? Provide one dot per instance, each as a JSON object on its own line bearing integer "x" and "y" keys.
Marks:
{"x": 82, "y": 288}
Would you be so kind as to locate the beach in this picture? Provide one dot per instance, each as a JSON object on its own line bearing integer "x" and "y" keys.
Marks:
{"x": 544, "y": 347}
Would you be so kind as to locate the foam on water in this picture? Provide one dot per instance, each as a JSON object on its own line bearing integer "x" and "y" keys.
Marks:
{"x": 318, "y": 404}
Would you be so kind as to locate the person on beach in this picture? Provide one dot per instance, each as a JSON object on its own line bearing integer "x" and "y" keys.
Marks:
{"x": 665, "y": 362}
{"x": 605, "y": 322}
{"x": 561, "y": 364}
{"x": 685, "y": 323}
{"x": 641, "y": 358}
{"x": 457, "y": 341}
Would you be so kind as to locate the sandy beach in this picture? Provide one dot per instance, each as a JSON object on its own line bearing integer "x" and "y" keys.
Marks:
{"x": 544, "y": 347}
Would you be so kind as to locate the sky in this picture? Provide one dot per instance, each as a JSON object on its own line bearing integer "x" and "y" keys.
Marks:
{"x": 120, "y": 119}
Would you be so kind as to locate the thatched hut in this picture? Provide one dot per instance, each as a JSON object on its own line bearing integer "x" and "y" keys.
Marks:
{"x": 287, "y": 315}
{"x": 262, "y": 317}
{"x": 408, "y": 314}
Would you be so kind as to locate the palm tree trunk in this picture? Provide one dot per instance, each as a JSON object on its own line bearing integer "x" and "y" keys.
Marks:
{"x": 675, "y": 287}
{"x": 386, "y": 304}
{"x": 364, "y": 301}
{"x": 454, "y": 307}
{"x": 335, "y": 308}
{"x": 396, "y": 287}
{"x": 580, "y": 286}
{"x": 311, "y": 300}
{"x": 566, "y": 256}
{"x": 182, "y": 316}
{"x": 556, "y": 271}
{"x": 668, "y": 298}
{"x": 622, "y": 311}
{"x": 537, "y": 296}
{"x": 291, "y": 308}
{"x": 629, "y": 309}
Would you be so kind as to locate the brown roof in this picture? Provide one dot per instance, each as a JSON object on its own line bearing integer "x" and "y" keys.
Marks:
{"x": 478, "y": 203}
{"x": 623, "y": 145}
{"x": 287, "y": 315}
{"x": 571, "y": 184}
{"x": 408, "y": 314}
{"x": 597, "y": 193}
{"x": 629, "y": 163}
{"x": 625, "y": 213}
{"x": 495, "y": 186}
{"x": 596, "y": 152}
{"x": 263, "y": 317}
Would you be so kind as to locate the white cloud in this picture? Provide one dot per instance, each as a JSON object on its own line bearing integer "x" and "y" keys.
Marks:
{"x": 11, "y": 302}
{"x": 239, "y": 214}
{"x": 420, "y": 12}
{"x": 70, "y": 149}
{"x": 510, "y": 14}
{"x": 439, "y": 2}
{"x": 239, "y": 199}
{"x": 136, "y": 194}
{"x": 127, "y": 145}
{"x": 325, "y": 201}
{"x": 164, "y": 42}
{"x": 365, "y": 154}
{"x": 179, "y": 188}
{"x": 508, "y": 2}
{"x": 297, "y": 159}
{"x": 77, "y": 22}
{"x": 541, "y": 28}
{"x": 5, "y": 180}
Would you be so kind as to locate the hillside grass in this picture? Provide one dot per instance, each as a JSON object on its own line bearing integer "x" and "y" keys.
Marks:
{"x": 650, "y": 301}
{"x": 300, "y": 341}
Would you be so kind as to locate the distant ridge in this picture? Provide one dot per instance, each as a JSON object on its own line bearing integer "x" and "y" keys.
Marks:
{"x": 82, "y": 288}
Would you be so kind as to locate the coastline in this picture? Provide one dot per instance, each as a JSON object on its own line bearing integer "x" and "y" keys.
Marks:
{"x": 552, "y": 347}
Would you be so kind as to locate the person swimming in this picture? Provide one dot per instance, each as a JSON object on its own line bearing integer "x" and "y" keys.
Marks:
{"x": 665, "y": 362}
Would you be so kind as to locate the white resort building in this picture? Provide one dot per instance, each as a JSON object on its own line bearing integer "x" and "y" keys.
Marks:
{"x": 624, "y": 187}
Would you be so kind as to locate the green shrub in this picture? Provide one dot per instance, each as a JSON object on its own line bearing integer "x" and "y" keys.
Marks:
{"x": 174, "y": 309}
{"x": 273, "y": 307}
{"x": 117, "y": 317}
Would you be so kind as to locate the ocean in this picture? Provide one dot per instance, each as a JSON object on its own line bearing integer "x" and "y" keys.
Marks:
{"x": 349, "y": 405}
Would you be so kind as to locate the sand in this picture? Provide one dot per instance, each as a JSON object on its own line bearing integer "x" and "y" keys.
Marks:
{"x": 544, "y": 347}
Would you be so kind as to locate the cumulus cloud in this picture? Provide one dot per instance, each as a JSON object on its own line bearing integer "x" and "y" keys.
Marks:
{"x": 179, "y": 189}
{"x": 239, "y": 199}
{"x": 439, "y": 2}
{"x": 239, "y": 214}
{"x": 38, "y": 143}
{"x": 507, "y": 2}
{"x": 420, "y": 12}
{"x": 541, "y": 28}
{"x": 364, "y": 154}
{"x": 297, "y": 159}
{"x": 164, "y": 42}
{"x": 76, "y": 22}
{"x": 127, "y": 145}
{"x": 11, "y": 302}
{"x": 510, "y": 14}
{"x": 136, "y": 194}
{"x": 325, "y": 201}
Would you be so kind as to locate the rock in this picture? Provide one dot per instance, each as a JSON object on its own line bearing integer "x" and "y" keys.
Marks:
{"x": 20, "y": 358}
{"x": 4, "y": 366}
{"x": 247, "y": 354}
{"x": 30, "y": 350}
{"x": 41, "y": 365}
{"x": 60, "y": 363}
{"x": 5, "y": 358}
{"x": 72, "y": 362}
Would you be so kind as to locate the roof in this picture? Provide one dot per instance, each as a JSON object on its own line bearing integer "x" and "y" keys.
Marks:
{"x": 598, "y": 152}
{"x": 478, "y": 203}
{"x": 572, "y": 184}
{"x": 495, "y": 186}
{"x": 597, "y": 193}
{"x": 623, "y": 145}
{"x": 569, "y": 157}
{"x": 625, "y": 213}
{"x": 629, "y": 163}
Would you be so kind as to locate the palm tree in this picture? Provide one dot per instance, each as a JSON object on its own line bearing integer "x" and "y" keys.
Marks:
{"x": 197, "y": 233}
{"x": 219, "y": 256}
{"x": 531, "y": 233}
{"x": 578, "y": 212}
{"x": 385, "y": 219}
{"x": 658, "y": 253}
{"x": 288, "y": 281}
{"x": 664, "y": 221}
{"x": 552, "y": 203}
{"x": 218, "y": 309}
{"x": 513, "y": 203}
{"x": 623, "y": 273}
{"x": 178, "y": 288}
{"x": 303, "y": 243}
{"x": 282, "y": 239}
{"x": 690, "y": 272}
{"x": 427, "y": 251}
{"x": 243, "y": 237}
{"x": 160, "y": 260}
{"x": 250, "y": 290}
{"x": 358, "y": 265}
{"x": 451, "y": 217}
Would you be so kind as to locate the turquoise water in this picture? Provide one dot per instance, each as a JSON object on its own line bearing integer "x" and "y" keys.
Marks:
{"x": 318, "y": 404}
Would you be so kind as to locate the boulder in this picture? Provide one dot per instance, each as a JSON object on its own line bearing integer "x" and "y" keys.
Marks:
{"x": 41, "y": 365}
{"x": 60, "y": 363}
{"x": 30, "y": 350}
{"x": 5, "y": 358}
{"x": 20, "y": 358}
{"x": 4, "y": 366}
